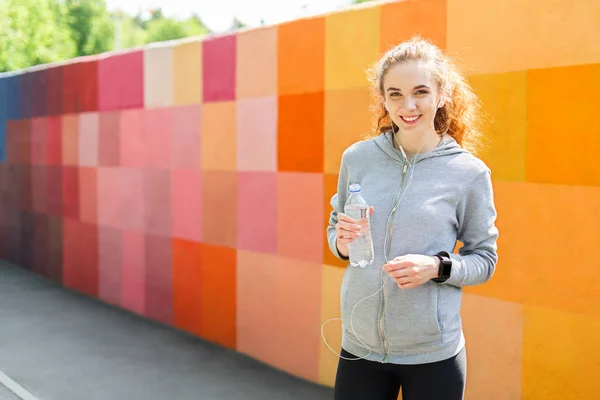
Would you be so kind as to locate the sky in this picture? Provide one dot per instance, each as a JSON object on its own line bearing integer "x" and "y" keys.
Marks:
{"x": 218, "y": 15}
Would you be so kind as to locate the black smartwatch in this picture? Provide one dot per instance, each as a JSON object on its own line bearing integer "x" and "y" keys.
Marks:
{"x": 445, "y": 267}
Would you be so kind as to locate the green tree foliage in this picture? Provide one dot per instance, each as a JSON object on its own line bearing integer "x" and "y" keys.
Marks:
{"x": 33, "y": 32}
{"x": 91, "y": 26}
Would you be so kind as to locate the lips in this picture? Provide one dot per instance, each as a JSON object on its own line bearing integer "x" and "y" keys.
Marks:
{"x": 410, "y": 119}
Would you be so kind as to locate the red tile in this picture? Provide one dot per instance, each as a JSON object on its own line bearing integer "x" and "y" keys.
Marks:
{"x": 54, "y": 141}
{"x": 54, "y": 190}
{"x": 121, "y": 81}
{"x": 300, "y": 216}
{"x": 186, "y": 204}
{"x": 157, "y": 137}
{"x": 219, "y": 59}
{"x": 53, "y": 91}
{"x": 108, "y": 139}
{"x": 40, "y": 240}
{"x": 38, "y": 141}
{"x": 12, "y": 144}
{"x": 219, "y": 198}
{"x": 133, "y": 267}
{"x": 257, "y": 211}
{"x": 159, "y": 279}
{"x": 39, "y": 189}
{"x": 88, "y": 194}
{"x": 187, "y": 298}
{"x": 110, "y": 260}
{"x": 70, "y": 192}
{"x": 88, "y": 86}
{"x": 69, "y": 83}
{"x": 132, "y": 146}
{"x": 157, "y": 202}
{"x": 185, "y": 138}
{"x": 80, "y": 258}
{"x": 218, "y": 292}
{"x": 25, "y": 187}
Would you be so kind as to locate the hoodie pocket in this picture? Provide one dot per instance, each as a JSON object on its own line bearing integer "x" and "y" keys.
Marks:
{"x": 412, "y": 317}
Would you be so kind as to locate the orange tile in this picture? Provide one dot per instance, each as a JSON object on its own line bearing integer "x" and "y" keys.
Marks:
{"x": 301, "y": 56}
{"x": 402, "y": 19}
{"x": 297, "y": 315}
{"x": 553, "y": 119}
{"x": 187, "y": 298}
{"x": 331, "y": 281}
{"x": 256, "y": 300}
{"x": 501, "y": 36}
{"x": 494, "y": 371}
{"x": 218, "y": 136}
{"x": 219, "y": 202}
{"x": 348, "y": 119}
{"x": 547, "y": 245}
{"x": 300, "y": 127}
{"x": 70, "y": 141}
{"x": 218, "y": 293}
{"x": 504, "y": 101}
{"x": 330, "y": 188}
{"x": 560, "y": 355}
{"x": 187, "y": 72}
{"x": 352, "y": 44}
{"x": 300, "y": 216}
{"x": 256, "y": 72}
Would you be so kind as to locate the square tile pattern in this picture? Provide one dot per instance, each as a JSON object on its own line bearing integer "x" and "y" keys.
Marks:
{"x": 189, "y": 182}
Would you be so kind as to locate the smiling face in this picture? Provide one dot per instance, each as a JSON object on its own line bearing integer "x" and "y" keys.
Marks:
{"x": 411, "y": 93}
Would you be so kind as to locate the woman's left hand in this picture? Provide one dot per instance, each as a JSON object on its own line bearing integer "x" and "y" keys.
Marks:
{"x": 412, "y": 270}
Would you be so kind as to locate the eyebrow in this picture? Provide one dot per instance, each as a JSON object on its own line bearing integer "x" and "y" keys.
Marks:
{"x": 415, "y": 88}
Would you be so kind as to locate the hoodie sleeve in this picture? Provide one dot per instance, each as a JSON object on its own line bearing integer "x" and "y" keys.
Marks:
{"x": 476, "y": 261}
{"x": 337, "y": 202}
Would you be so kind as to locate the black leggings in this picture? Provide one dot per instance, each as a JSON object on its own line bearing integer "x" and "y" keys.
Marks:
{"x": 370, "y": 380}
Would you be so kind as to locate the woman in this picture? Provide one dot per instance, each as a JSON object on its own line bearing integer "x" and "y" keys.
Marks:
{"x": 427, "y": 191}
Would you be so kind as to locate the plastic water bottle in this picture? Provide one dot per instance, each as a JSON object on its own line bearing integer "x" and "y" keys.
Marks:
{"x": 361, "y": 248}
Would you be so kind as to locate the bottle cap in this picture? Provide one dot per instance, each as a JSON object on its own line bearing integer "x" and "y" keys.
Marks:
{"x": 354, "y": 188}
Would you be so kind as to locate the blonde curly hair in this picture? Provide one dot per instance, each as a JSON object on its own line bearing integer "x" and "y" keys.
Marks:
{"x": 460, "y": 116}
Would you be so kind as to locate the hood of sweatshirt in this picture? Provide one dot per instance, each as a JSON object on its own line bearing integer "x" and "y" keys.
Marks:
{"x": 447, "y": 146}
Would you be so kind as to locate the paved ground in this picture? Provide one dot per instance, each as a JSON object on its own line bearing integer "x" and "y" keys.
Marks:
{"x": 60, "y": 345}
{"x": 6, "y": 394}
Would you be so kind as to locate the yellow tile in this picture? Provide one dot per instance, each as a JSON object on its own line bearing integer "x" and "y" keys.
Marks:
{"x": 561, "y": 355}
{"x": 331, "y": 281}
{"x": 515, "y": 35}
{"x": 348, "y": 119}
{"x": 256, "y": 71}
{"x": 494, "y": 370}
{"x": 158, "y": 76}
{"x": 352, "y": 41}
{"x": 219, "y": 151}
{"x": 503, "y": 99}
{"x": 563, "y": 134}
{"x": 187, "y": 72}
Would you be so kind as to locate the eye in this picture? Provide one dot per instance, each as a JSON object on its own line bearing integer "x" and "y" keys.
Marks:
{"x": 395, "y": 94}
{"x": 422, "y": 91}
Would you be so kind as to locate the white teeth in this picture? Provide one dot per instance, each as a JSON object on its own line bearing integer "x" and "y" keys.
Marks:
{"x": 410, "y": 119}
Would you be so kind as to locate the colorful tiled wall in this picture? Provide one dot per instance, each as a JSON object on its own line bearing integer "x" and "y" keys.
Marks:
{"x": 189, "y": 182}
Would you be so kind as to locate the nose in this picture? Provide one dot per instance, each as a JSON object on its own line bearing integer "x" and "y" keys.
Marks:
{"x": 409, "y": 103}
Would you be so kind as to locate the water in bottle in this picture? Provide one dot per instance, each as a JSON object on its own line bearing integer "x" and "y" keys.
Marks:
{"x": 361, "y": 248}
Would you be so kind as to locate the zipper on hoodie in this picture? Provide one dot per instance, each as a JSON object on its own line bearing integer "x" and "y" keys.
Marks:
{"x": 390, "y": 231}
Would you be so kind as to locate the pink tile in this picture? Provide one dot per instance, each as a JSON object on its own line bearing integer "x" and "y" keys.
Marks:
{"x": 38, "y": 141}
{"x": 300, "y": 216}
{"x": 108, "y": 139}
{"x": 257, "y": 134}
{"x": 133, "y": 280}
{"x": 157, "y": 137}
{"x": 157, "y": 202}
{"x": 121, "y": 81}
{"x": 218, "y": 57}
{"x": 298, "y": 313}
{"x": 110, "y": 263}
{"x": 70, "y": 192}
{"x": 132, "y": 146}
{"x": 88, "y": 139}
{"x": 159, "y": 278}
{"x": 54, "y": 141}
{"x": 256, "y": 302}
{"x": 186, "y": 204}
{"x": 257, "y": 211}
{"x": 109, "y": 197}
{"x": 185, "y": 138}
{"x": 131, "y": 192}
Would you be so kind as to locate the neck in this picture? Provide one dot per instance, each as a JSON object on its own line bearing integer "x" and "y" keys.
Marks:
{"x": 415, "y": 144}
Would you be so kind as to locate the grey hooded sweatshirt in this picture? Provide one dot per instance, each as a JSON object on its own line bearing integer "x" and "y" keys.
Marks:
{"x": 445, "y": 196}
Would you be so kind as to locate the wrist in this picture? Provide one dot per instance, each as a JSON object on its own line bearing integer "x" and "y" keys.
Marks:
{"x": 436, "y": 267}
